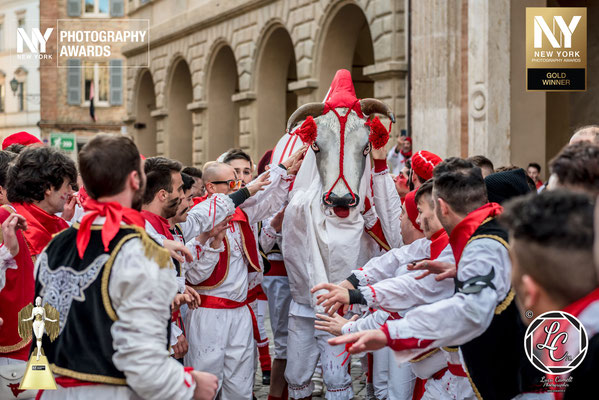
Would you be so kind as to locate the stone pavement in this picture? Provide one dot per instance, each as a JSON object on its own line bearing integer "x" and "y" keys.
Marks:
{"x": 261, "y": 392}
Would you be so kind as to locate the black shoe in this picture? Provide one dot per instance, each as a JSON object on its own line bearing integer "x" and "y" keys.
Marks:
{"x": 266, "y": 378}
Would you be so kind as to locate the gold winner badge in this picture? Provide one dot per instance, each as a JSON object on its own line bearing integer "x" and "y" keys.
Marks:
{"x": 39, "y": 319}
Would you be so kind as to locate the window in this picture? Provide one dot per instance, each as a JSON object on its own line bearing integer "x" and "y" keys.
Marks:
{"x": 96, "y": 7}
{"x": 98, "y": 73}
{"x": 2, "y": 97}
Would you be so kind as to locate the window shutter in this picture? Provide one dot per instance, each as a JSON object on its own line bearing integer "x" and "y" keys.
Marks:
{"x": 74, "y": 8}
{"x": 74, "y": 81}
{"x": 116, "y": 82}
{"x": 117, "y": 8}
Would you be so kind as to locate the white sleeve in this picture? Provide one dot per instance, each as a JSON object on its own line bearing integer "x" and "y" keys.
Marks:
{"x": 205, "y": 260}
{"x": 388, "y": 207}
{"x": 154, "y": 234}
{"x": 6, "y": 262}
{"x": 270, "y": 200}
{"x": 403, "y": 292}
{"x": 370, "y": 321}
{"x": 393, "y": 262}
{"x": 393, "y": 158}
{"x": 461, "y": 317}
{"x": 141, "y": 293}
{"x": 203, "y": 216}
{"x": 268, "y": 236}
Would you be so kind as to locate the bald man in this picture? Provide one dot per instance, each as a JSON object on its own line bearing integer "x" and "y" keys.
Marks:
{"x": 589, "y": 133}
{"x": 220, "y": 332}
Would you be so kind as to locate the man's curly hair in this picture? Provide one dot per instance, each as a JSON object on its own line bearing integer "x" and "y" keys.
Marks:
{"x": 36, "y": 170}
{"x": 577, "y": 167}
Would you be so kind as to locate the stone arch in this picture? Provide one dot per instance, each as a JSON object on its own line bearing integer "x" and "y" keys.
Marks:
{"x": 339, "y": 47}
{"x": 178, "y": 137}
{"x": 275, "y": 67}
{"x": 144, "y": 133}
{"x": 222, "y": 82}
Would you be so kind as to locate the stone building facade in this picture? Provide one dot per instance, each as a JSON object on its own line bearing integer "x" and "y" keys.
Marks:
{"x": 65, "y": 90}
{"x": 227, "y": 73}
{"x": 19, "y": 108}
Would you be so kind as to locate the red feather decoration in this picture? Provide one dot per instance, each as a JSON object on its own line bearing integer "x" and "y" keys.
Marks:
{"x": 308, "y": 131}
{"x": 379, "y": 136}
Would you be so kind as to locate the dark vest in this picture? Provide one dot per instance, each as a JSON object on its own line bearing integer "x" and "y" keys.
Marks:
{"x": 495, "y": 361}
{"x": 78, "y": 289}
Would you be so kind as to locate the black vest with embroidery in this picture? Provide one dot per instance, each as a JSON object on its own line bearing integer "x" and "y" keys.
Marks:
{"x": 78, "y": 289}
{"x": 496, "y": 361}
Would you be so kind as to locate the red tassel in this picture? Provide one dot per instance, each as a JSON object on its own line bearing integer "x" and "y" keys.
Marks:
{"x": 379, "y": 136}
{"x": 308, "y": 131}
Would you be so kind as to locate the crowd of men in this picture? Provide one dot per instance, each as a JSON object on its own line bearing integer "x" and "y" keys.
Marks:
{"x": 163, "y": 274}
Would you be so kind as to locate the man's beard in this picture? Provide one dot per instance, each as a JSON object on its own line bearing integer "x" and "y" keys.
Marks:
{"x": 137, "y": 201}
{"x": 171, "y": 208}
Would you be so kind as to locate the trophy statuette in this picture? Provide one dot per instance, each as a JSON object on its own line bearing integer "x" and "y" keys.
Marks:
{"x": 39, "y": 319}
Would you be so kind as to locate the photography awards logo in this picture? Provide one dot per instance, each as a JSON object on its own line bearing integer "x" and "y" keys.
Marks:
{"x": 36, "y": 43}
{"x": 556, "y": 48}
{"x": 556, "y": 343}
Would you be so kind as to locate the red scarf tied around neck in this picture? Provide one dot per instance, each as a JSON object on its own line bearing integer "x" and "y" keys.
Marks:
{"x": 114, "y": 212}
{"x": 41, "y": 226}
{"x": 461, "y": 234}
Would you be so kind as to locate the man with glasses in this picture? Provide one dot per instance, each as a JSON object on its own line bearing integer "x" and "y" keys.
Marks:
{"x": 220, "y": 331}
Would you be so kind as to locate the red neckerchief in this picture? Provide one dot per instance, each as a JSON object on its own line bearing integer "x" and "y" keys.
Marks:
{"x": 439, "y": 241}
{"x": 159, "y": 223}
{"x": 16, "y": 294}
{"x": 461, "y": 234}
{"x": 197, "y": 200}
{"x": 575, "y": 308}
{"x": 114, "y": 212}
{"x": 41, "y": 226}
{"x": 83, "y": 196}
{"x": 581, "y": 304}
{"x": 407, "y": 154}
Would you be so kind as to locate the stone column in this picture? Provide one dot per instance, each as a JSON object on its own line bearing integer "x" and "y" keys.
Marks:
{"x": 198, "y": 118}
{"x": 436, "y": 76}
{"x": 247, "y": 112}
{"x": 161, "y": 143}
{"x": 489, "y": 80}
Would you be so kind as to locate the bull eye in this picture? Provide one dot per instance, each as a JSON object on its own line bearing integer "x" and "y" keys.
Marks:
{"x": 315, "y": 147}
{"x": 367, "y": 149}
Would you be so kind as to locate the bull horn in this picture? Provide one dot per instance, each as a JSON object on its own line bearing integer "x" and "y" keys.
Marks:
{"x": 371, "y": 106}
{"x": 310, "y": 109}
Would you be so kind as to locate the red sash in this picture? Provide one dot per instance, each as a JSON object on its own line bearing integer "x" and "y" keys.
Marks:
{"x": 376, "y": 231}
{"x": 159, "y": 223}
{"x": 222, "y": 303}
{"x": 41, "y": 226}
{"x": 461, "y": 234}
{"x": 17, "y": 293}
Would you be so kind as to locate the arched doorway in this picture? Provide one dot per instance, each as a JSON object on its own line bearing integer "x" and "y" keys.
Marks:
{"x": 223, "y": 116}
{"x": 145, "y": 125}
{"x": 276, "y": 68}
{"x": 179, "y": 134}
{"x": 351, "y": 49}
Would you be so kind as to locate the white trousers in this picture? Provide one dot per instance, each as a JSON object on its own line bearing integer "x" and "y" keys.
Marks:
{"x": 279, "y": 298}
{"x": 98, "y": 392}
{"x": 221, "y": 342}
{"x": 305, "y": 346}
